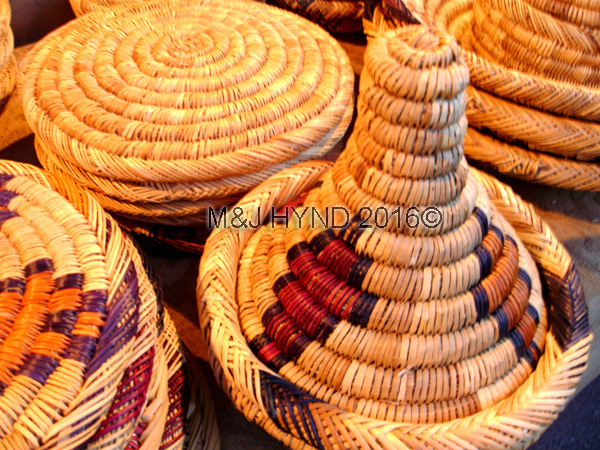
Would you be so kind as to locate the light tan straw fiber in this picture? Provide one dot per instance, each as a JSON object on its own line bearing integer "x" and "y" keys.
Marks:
{"x": 166, "y": 105}
{"x": 88, "y": 356}
{"x": 535, "y": 85}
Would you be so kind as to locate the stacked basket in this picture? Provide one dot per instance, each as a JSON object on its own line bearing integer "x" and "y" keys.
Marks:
{"x": 535, "y": 100}
{"x": 8, "y": 65}
{"x": 336, "y": 16}
{"x": 393, "y": 305}
{"x": 88, "y": 356}
{"x": 165, "y": 110}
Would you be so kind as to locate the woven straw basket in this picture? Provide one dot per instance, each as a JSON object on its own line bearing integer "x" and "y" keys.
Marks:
{"x": 12, "y": 121}
{"x": 336, "y": 16}
{"x": 8, "y": 68}
{"x": 166, "y": 109}
{"x": 410, "y": 314}
{"x": 88, "y": 356}
{"x": 533, "y": 116}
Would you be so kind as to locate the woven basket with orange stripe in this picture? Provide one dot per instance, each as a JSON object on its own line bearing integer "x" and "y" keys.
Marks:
{"x": 89, "y": 358}
{"x": 392, "y": 300}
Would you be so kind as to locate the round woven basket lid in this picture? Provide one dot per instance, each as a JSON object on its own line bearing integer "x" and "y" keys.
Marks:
{"x": 392, "y": 305}
{"x": 165, "y": 109}
{"x": 88, "y": 356}
{"x": 336, "y": 16}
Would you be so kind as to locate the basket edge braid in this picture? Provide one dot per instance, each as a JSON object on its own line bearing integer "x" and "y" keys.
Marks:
{"x": 517, "y": 162}
{"x": 265, "y": 398}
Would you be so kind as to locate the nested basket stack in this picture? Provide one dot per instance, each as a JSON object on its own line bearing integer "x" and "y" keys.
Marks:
{"x": 88, "y": 356}
{"x": 413, "y": 317}
{"x": 166, "y": 110}
{"x": 534, "y": 108}
{"x": 8, "y": 65}
{"x": 336, "y": 16}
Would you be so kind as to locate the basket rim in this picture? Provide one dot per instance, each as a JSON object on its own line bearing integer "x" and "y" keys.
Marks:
{"x": 219, "y": 321}
{"x": 530, "y": 165}
{"x": 532, "y": 126}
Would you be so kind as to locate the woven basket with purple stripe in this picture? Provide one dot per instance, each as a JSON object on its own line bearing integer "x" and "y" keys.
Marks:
{"x": 534, "y": 101}
{"x": 392, "y": 300}
{"x": 88, "y": 356}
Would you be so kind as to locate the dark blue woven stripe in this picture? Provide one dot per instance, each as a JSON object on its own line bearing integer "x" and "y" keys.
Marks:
{"x": 6, "y": 197}
{"x": 360, "y": 314}
{"x": 39, "y": 266}
{"x": 121, "y": 325}
{"x": 12, "y": 285}
{"x": 482, "y": 302}
{"x": 5, "y": 215}
{"x": 358, "y": 271}
{"x": 285, "y": 403}
{"x": 485, "y": 261}
{"x": 38, "y": 367}
{"x": 4, "y": 178}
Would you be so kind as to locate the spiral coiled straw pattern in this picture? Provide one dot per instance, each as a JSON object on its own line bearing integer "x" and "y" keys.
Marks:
{"x": 88, "y": 356}
{"x": 184, "y": 100}
{"x": 361, "y": 325}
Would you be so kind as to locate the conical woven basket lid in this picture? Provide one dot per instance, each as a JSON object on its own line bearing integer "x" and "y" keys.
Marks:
{"x": 88, "y": 356}
{"x": 167, "y": 108}
{"x": 394, "y": 290}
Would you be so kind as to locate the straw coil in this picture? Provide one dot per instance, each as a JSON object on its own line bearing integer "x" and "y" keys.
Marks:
{"x": 336, "y": 16}
{"x": 88, "y": 355}
{"x": 170, "y": 107}
{"x": 8, "y": 67}
{"x": 533, "y": 67}
{"x": 410, "y": 311}
{"x": 81, "y": 7}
